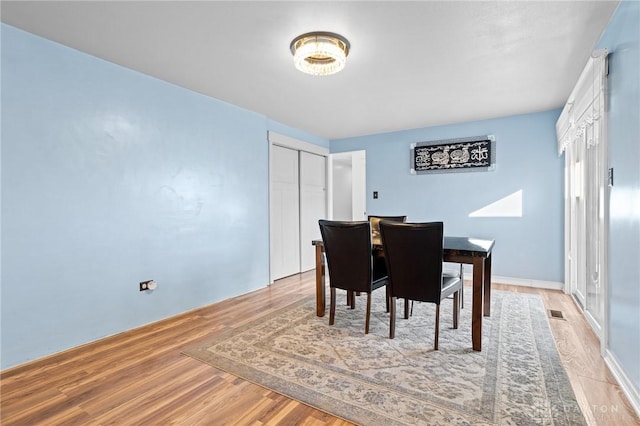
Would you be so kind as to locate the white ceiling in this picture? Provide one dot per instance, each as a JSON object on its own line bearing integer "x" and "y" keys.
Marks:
{"x": 412, "y": 64}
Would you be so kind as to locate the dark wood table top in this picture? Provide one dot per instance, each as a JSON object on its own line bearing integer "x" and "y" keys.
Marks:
{"x": 463, "y": 246}
{"x": 468, "y": 246}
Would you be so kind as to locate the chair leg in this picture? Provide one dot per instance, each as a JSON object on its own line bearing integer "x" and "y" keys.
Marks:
{"x": 388, "y": 290}
{"x": 435, "y": 346}
{"x": 332, "y": 306}
{"x": 366, "y": 323}
{"x": 406, "y": 308}
{"x": 462, "y": 286}
{"x": 456, "y": 308}
{"x": 351, "y": 299}
{"x": 392, "y": 317}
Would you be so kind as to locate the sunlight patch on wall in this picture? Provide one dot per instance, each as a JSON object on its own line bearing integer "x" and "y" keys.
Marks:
{"x": 509, "y": 206}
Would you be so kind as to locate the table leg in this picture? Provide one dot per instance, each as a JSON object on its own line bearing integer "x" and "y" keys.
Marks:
{"x": 487, "y": 286}
{"x": 477, "y": 305}
{"x": 320, "y": 284}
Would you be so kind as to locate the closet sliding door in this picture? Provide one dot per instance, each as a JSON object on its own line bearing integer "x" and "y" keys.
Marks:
{"x": 298, "y": 175}
{"x": 285, "y": 212}
{"x": 313, "y": 205}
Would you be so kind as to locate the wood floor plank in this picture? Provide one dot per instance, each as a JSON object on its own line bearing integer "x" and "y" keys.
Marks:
{"x": 607, "y": 404}
{"x": 141, "y": 377}
{"x": 44, "y": 406}
{"x": 160, "y": 405}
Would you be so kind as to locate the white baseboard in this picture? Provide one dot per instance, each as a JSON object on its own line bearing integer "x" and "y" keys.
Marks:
{"x": 523, "y": 282}
{"x": 628, "y": 388}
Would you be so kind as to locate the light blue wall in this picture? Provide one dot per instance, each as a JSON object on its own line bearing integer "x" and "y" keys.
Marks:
{"x": 111, "y": 177}
{"x": 622, "y": 38}
{"x": 528, "y": 247}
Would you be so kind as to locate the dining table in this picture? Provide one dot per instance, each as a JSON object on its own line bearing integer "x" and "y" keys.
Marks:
{"x": 467, "y": 250}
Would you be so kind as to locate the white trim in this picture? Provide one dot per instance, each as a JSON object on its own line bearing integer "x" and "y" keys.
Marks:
{"x": 289, "y": 142}
{"x": 329, "y": 171}
{"x": 629, "y": 390}
{"x": 593, "y": 323}
{"x": 604, "y": 252}
{"x": 269, "y": 213}
{"x": 567, "y": 228}
{"x": 525, "y": 282}
{"x": 586, "y": 104}
{"x": 520, "y": 282}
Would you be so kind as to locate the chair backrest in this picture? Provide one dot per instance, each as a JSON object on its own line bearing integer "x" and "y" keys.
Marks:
{"x": 413, "y": 253}
{"x": 348, "y": 249}
{"x": 375, "y": 224}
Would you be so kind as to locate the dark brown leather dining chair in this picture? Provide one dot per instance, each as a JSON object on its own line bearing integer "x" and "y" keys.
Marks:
{"x": 347, "y": 246}
{"x": 375, "y": 224}
{"x": 413, "y": 252}
{"x": 378, "y": 254}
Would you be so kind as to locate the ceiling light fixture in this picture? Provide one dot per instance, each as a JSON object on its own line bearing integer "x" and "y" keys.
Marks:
{"x": 320, "y": 53}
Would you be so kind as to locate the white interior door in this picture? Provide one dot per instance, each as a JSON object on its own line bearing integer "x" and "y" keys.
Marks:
{"x": 348, "y": 185}
{"x": 340, "y": 186}
{"x": 285, "y": 213}
{"x": 313, "y": 205}
{"x": 359, "y": 185}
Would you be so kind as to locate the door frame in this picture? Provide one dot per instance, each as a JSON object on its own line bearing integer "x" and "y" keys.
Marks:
{"x": 358, "y": 185}
{"x": 587, "y": 111}
{"x": 285, "y": 141}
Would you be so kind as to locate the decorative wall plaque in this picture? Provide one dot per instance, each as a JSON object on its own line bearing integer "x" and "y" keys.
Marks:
{"x": 477, "y": 153}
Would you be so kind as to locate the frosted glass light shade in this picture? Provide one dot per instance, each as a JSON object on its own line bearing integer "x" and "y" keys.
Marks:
{"x": 320, "y": 53}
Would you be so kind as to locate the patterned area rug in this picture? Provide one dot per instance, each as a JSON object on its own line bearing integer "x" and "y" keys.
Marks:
{"x": 371, "y": 380}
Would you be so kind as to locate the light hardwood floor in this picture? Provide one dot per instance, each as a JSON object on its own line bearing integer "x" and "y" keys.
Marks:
{"x": 140, "y": 377}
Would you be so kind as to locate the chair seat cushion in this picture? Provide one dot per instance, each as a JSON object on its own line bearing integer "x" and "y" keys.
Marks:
{"x": 450, "y": 272}
{"x": 450, "y": 285}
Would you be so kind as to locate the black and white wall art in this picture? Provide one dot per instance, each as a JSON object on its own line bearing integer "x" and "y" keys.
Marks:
{"x": 477, "y": 153}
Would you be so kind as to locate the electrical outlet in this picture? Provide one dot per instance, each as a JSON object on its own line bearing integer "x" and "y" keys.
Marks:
{"x": 144, "y": 285}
